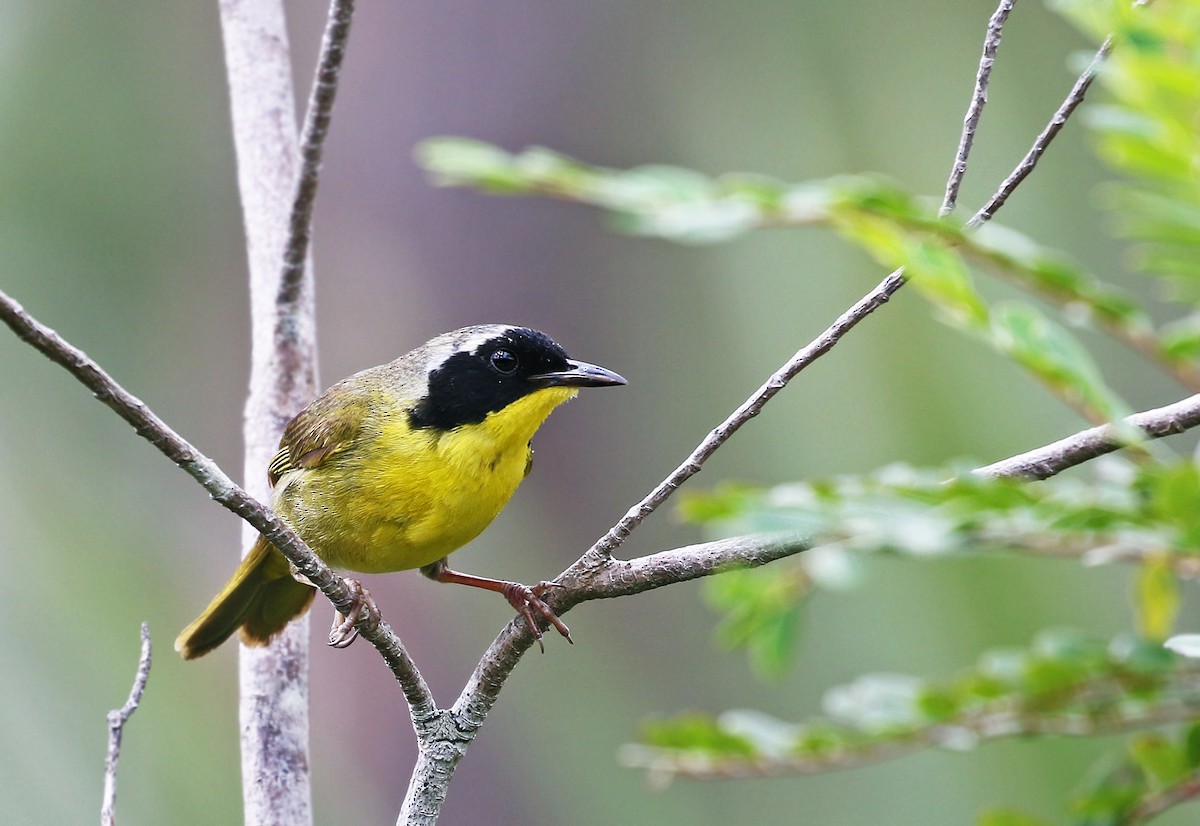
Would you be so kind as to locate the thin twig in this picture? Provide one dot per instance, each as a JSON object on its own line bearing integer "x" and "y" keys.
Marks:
{"x": 991, "y": 44}
{"x": 312, "y": 142}
{"x": 222, "y": 489}
{"x": 1054, "y": 458}
{"x": 1057, "y": 122}
{"x": 617, "y": 534}
{"x": 116, "y": 728}
{"x": 746, "y": 411}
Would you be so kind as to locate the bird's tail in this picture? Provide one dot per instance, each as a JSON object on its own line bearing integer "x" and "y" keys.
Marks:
{"x": 261, "y": 598}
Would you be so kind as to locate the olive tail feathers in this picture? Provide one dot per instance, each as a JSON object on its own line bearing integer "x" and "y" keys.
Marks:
{"x": 261, "y": 598}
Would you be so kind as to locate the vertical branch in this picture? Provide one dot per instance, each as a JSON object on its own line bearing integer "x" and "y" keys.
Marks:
{"x": 273, "y": 680}
{"x": 116, "y": 727}
{"x": 277, "y": 180}
{"x": 317, "y": 118}
{"x": 991, "y": 44}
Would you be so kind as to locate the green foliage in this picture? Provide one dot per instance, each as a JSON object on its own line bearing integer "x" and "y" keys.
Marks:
{"x": 1147, "y": 130}
{"x": 875, "y": 214}
{"x": 922, "y": 512}
{"x": 1152, "y": 768}
{"x": 1145, "y": 514}
{"x": 762, "y": 611}
{"x": 1065, "y": 683}
{"x": 1009, "y": 817}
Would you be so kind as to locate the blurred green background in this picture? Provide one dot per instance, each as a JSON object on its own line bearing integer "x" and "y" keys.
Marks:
{"x": 120, "y": 227}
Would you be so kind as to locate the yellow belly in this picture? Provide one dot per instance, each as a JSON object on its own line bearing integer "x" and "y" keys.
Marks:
{"x": 400, "y": 498}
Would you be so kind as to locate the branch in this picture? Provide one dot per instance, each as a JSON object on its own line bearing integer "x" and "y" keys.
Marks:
{"x": 312, "y": 143}
{"x": 116, "y": 727}
{"x": 277, "y": 181}
{"x": 1025, "y": 168}
{"x": 592, "y": 577}
{"x": 991, "y": 44}
{"x": 748, "y": 409}
{"x": 1156, "y": 803}
{"x": 1054, "y": 458}
{"x": 998, "y": 721}
{"x": 222, "y": 489}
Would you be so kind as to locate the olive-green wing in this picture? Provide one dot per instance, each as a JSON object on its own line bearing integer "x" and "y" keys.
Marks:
{"x": 320, "y": 430}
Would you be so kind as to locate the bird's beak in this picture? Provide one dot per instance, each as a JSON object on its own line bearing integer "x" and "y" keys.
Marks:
{"x": 579, "y": 374}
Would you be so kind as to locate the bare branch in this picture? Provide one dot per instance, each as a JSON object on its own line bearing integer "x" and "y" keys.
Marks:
{"x": 1042, "y": 142}
{"x": 991, "y": 44}
{"x": 1054, "y": 458}
{"x": 312, "y": 143}
{"x": 222, "y": 489}
{"x": 746, "y": 411}
{"x": 595, "y": 576}
{"x": 277, "y": 181}
{"x": 273, "y": 680}
{"x": 116, "y": 728}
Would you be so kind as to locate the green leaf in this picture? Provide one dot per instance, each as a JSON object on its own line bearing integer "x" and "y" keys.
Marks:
{"x": 1055, "y": 356}
{"x": 1191, "y": 746}
{"x": 1173, "y": 492}
{"x": 695, "y": 732}
{"x": 1156, "y": 598}
{"x": 762, "y": 610}
{"x": 1162, "y": 762}
{"x": 458, "y": 161}
{"x": 1009, "y": 817}
{"x": 1147, "y": 131}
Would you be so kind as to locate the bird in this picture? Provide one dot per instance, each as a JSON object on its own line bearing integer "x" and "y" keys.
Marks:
{"x": 396, "y": 466}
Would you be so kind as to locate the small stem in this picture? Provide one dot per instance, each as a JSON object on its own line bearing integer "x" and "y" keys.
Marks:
{"x": 991, "y": 44}
{"x": 1054, "y": 458}
{"x": 116, "y": 728}
{"x": 747, "y": 410}
{"x": 317, "y": 118}
{"x": 1025, "y": 168}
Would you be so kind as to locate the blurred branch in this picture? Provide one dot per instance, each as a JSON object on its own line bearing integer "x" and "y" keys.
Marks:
{"x": 991, "y": 44}
{"x": 1099, "y": 712}
{"x": 116, "y": 727}
{"x": 1148, "y": 808}
{"x": 222, "y": 489}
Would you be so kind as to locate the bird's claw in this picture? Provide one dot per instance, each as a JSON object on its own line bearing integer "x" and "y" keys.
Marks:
{"x": 345, "y": 626}
{"x": 526, "y": 600}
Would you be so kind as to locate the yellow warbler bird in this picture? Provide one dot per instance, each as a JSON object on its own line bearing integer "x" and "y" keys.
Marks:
{"x": 397, "y": 466}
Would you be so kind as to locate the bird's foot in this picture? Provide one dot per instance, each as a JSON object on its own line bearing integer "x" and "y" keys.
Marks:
{"x": 527, "y": 600}
{"x": 345, "y": 630}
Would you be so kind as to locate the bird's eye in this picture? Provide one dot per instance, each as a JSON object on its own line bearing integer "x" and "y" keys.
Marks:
{"x": 504, "y": 362}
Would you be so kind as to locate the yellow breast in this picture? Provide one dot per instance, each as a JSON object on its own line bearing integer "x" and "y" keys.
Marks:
{"x": 399, "y": 498}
